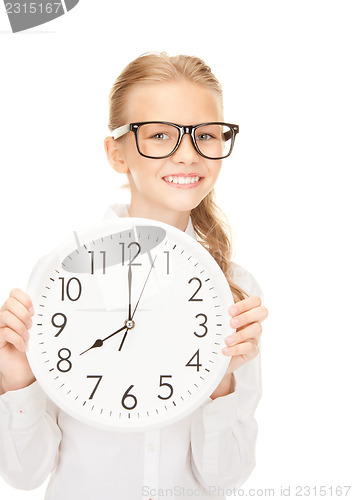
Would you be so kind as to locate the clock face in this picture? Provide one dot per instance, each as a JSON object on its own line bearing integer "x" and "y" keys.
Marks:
{"x": 130, "y": 320}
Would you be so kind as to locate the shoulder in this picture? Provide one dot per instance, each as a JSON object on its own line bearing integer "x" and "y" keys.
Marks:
{"x": 246, "y": 280}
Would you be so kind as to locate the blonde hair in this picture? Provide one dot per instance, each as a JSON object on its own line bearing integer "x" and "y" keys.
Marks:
{"x": 209, "y": 221}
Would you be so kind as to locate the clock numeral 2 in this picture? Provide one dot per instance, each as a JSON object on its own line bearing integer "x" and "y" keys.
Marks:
{"x": 68, "y": 286}
{"x": 192, "y": 299}
{"x": 197, "y": 364}
{"x": 64, "y": 360}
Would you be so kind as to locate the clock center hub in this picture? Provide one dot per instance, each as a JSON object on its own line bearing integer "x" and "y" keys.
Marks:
{"x": 129, "y": 323}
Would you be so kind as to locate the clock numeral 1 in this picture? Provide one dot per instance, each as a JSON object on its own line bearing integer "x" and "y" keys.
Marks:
{"x": 63, "y": 324}
{"x": 68, "y": 286}
{"x": 125, "y": 396}
{"x": 167, "y": 261}
{"x": 192, "y": 299}
{"x": 66, "y": 365}
{"x": 166, "y": 384}
{"x": 96, "y": 385}
{"x": 203, "y": 325}
{"x": 197, "y": 364}
{"x": 92, "y": 260}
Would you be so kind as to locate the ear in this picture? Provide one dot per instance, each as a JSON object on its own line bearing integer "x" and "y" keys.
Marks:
{"x": 114, "y": 153}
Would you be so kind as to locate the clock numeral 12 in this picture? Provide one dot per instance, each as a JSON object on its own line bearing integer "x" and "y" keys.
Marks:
{"x": 68, "y": 286}
{"x": 197, "y": 364}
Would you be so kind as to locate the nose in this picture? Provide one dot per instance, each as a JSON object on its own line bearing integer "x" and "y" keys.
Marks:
{"x": 186, "y": 152}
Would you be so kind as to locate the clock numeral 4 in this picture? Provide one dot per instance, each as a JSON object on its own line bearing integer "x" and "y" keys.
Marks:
{"x": 67, "y": 292}
{"x": 96, "y": 385}
{"x": 63, "y": 324}
{"x": 197, "y": 364}
{"x": 192, "y": 299}
{"x": 126, "y": 396}
{"x": 167, "y": 385}
{"x": 64, "y": 365}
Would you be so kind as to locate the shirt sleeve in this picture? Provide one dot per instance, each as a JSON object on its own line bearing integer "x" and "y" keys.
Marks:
{"x": 224, "y": 430}
{"x": 29, "y": 437}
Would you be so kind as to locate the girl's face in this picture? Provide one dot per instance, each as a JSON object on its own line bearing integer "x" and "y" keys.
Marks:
{"x": 184, "y": 103}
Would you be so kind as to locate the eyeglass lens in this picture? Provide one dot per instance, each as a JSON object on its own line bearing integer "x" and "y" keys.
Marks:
{"x": 159, "y": 139}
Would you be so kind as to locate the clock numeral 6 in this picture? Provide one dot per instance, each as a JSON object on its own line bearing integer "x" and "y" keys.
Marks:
{"x": 125, "y": 396}
{"x": 197, "y": 364}
{"x": 68, "y": 286}
{"x": 203, "y": 325}
{"x": 192, "y": 299}
{"x": 63, "y": 324}
{"x": 168, "y": 385}
{"x": 66, "y": 365}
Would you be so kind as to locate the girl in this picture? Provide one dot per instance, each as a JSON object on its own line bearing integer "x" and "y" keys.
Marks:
{"x": 171, "y": 179}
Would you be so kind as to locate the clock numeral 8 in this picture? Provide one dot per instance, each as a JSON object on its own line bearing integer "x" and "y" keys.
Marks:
{"x": 64, "y": 359}
{"x": 68, "y": 289}
{"x": 125, "y": 396}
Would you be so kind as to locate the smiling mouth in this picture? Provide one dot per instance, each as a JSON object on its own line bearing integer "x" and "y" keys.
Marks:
{"x": 183, "y": 180}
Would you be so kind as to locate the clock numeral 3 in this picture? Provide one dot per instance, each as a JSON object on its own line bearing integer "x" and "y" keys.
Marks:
{"x": 96, "y": 385}
{"x": 64, "y": 360}
{"x": 68, "y": 286}
{"x": 197, "y": 364}
{"x": 203, "y": 325}
{"x": 63, "y": 324}
{"x": 192, "y": 299}
{"x": 125, "y": 396}
{"x": 166, "y": 384}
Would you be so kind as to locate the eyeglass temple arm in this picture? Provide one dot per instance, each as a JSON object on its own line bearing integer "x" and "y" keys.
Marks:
{"x": 228, "y": 134}
{"x": 120, "y": 131}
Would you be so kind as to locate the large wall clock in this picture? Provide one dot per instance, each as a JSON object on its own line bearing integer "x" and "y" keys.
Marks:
{"x": 130, "y": 320}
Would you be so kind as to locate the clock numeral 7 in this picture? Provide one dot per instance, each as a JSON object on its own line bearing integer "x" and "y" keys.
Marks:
{"x": 96, "y": 385}
{"x": 66, "y": 291}
{"x": 168, "y": 385}
{"x": 197, "y": 364}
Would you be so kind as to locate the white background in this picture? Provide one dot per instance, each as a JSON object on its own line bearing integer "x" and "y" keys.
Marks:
{"x": 286, "y": 73}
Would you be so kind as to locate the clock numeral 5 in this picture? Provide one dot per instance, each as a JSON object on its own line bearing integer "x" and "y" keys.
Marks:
{"x": 197, "y": 364}
{"x": 168, "y": 385}
{"x": 203, "y": 325}
{"x": 125, "y": 396}
{"x": 63, "y": 324}
{"x": 64, "y": 365}
{"x": 67, "y": 290}
{"x": 192, "y": 299}
{"x": 96, "y": 386}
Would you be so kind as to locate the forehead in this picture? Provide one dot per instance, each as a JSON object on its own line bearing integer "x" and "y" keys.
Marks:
{"x": 182, "y": 102}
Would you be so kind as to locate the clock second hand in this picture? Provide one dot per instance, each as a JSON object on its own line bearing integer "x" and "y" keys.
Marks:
{"x": 129, "y": 316}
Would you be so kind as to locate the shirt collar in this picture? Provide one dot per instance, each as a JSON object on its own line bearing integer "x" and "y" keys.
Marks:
{"x": 121, "y": 210}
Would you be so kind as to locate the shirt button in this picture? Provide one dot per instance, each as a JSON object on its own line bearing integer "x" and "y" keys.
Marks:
{"x": 151, "y": 447}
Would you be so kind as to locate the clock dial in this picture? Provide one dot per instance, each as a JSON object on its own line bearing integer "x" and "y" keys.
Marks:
{"x": 129, "y": 326}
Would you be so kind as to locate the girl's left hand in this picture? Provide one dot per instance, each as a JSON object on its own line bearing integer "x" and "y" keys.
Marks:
{"x": 246, "y": 316}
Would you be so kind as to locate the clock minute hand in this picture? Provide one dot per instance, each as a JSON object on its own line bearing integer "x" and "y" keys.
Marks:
{"x": 129, "y": 290}
{"x": 100, "y": 342}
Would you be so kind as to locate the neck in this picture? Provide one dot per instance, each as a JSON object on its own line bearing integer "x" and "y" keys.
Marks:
{"x": 176, "y": 219}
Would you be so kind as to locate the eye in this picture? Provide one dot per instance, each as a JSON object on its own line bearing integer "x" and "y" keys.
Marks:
{"x": 161, "y": 136}
{"x": 204, "y": 137}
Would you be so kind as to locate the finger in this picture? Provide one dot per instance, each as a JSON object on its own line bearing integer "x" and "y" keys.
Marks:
{"x": 9, "y": 320}
{"x": 19, "y": 310}
{"x": 245, "y": 305}
{"x": 22, "y": 297}
{"x": 246, "y": 349}
{"x": 9, "y": 336}
{"x": 252, "y": 331}
{"x": 257, "y": 314}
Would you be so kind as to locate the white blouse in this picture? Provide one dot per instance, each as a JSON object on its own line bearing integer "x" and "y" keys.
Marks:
{"x": 204, "y": 454}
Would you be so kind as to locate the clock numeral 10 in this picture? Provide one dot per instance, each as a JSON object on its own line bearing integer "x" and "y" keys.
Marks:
{"x": 67, "y": 291}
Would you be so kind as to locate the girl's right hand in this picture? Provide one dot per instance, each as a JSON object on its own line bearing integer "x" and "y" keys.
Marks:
{"x": 15, "y": 321}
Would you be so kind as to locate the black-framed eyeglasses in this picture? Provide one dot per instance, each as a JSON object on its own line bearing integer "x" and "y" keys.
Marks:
{"x": 213, "y": 140}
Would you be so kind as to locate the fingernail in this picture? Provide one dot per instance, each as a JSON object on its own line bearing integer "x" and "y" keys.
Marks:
{"x": 29, "y": 324}
{"x": 233, "y": 310}
{"x": 230, "y": 339}
{"x": 31, "y": 310}
{"x": 234, "y": 322}
{"x": 226, "y": 350}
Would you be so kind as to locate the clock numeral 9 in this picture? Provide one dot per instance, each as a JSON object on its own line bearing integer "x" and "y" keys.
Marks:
{"x": 203, "y": 325}
{"x": 68, "y": 286}
{"x": 125, "y": 396}
{"x": 168, "y": 385}
{"x": 197, "y": 364}
{"x": 63, "y": 324}
{"x": 192, "y": 299}
{"x": 64, "y": 360}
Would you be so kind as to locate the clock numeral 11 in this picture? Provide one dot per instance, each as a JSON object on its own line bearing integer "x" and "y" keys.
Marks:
{"x": 92, "y": 260}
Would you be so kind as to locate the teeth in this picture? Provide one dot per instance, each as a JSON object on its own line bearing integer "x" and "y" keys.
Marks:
{"x": 182, "y": 180}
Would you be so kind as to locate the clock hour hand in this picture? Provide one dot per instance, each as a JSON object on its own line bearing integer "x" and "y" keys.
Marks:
{"x": 129, "y": 290}
{"x": 100, "y": 342}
